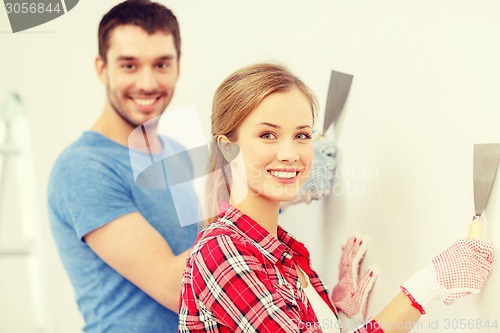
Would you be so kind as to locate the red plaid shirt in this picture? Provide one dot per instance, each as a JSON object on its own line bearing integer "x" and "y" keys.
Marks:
{"x": 240, "y": 278}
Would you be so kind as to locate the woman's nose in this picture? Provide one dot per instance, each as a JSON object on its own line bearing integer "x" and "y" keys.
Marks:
{"x": 287, "y": 152}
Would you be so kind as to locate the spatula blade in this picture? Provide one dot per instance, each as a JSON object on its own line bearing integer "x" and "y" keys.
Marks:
{"x": 338, "y": 89}
{"x": 486, "y": 160}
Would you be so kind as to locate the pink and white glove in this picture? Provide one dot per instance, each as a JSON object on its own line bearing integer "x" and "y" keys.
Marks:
{"x": 350, "y": 295}
{"x": 319, "y": 182}
{"x": 460, "y": 270}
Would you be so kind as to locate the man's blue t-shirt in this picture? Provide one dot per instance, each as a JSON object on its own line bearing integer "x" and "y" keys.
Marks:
{"x": 92, "y": 184}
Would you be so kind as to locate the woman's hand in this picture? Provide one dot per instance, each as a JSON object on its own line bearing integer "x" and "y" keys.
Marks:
{"x": 350, "y": 295}
{"x": 460, "y": 270}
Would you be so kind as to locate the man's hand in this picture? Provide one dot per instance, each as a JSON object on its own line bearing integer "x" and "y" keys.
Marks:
{"x": 351, "y": 293}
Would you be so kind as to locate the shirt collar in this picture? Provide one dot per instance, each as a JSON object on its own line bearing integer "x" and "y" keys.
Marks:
{"x": 272, "y": 247}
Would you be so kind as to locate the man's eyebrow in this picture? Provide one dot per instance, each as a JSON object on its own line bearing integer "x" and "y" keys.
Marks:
{"x": 132, "y": 58}
{"x": 126, "y": 58}
{"x": 166, "y": 57}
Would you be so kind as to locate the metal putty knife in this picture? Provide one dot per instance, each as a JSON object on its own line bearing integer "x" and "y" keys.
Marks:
{"x": 338, "y": 89}
{"x": 486, "y": 160}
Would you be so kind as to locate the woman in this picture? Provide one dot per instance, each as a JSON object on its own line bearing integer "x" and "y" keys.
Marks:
{"x": 246, "y": 273}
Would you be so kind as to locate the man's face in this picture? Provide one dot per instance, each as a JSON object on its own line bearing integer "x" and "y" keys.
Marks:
{"x": 140, "y": 73}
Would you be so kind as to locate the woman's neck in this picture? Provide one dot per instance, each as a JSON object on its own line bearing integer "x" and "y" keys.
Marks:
{"x": 264, "y": 212}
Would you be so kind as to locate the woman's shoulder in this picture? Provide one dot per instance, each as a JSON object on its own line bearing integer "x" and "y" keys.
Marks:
{"x": 220, "y": 242}
{"x": 217, "y": 233}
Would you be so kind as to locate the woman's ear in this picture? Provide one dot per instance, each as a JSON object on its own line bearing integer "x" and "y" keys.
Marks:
{"x": 228, "y": 149}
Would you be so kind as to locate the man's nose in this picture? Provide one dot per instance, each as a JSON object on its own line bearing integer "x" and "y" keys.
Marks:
{"x": 146, "y": 80}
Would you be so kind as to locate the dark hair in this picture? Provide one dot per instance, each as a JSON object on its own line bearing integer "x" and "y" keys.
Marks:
{"x": 150, "y": 16}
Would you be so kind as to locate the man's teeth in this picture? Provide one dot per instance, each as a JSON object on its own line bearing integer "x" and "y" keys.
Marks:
{"x": 283, "y": 174}
{"x": 145, "y": 102}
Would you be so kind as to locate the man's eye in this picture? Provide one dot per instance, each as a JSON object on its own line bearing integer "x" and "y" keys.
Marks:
{"x": 129, "y": 66}
{"x": 163, "y": 65}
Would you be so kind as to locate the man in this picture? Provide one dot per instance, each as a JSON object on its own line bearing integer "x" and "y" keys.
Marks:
{"x": 122, "y": 244}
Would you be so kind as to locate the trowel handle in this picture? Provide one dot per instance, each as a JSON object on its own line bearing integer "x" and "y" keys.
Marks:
{"x": 476, "y": 227}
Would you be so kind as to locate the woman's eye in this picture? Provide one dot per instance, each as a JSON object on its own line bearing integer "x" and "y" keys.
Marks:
{"x": 268, "y": 136}
{"x": 303, "y": 136}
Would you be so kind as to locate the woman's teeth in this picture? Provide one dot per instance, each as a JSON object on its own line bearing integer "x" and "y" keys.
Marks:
{"x": 283, "y": 174}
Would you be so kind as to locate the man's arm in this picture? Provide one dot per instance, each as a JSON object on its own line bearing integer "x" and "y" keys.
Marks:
{"x": 132, "y": 247}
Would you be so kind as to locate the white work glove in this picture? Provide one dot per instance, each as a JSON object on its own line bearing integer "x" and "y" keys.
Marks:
{"x": 319, "y": 183}
{"x": 460, "y": 270}
{"x": 350, "y": 295}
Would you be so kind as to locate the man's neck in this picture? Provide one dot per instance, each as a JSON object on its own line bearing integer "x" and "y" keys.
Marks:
{"x": 142, "y": 138}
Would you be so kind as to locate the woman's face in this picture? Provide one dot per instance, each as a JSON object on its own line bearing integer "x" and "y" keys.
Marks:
{"x": 275, "y": 147}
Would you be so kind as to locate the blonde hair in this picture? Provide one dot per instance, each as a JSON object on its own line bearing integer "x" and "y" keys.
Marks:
{"x": 238, "y": 95}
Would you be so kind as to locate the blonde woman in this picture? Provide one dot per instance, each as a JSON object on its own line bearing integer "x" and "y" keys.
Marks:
{"x": 245, "y": 272}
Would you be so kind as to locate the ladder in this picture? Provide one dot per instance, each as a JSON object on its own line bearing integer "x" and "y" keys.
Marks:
{"x": 24, "y": 305}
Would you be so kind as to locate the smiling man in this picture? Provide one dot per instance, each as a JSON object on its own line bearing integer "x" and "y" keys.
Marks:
{"x": 140, "y": 70}
{"x": 122, "y": 245}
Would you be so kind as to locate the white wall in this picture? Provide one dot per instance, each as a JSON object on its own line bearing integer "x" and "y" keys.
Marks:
{"x": 425, "y": 89}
